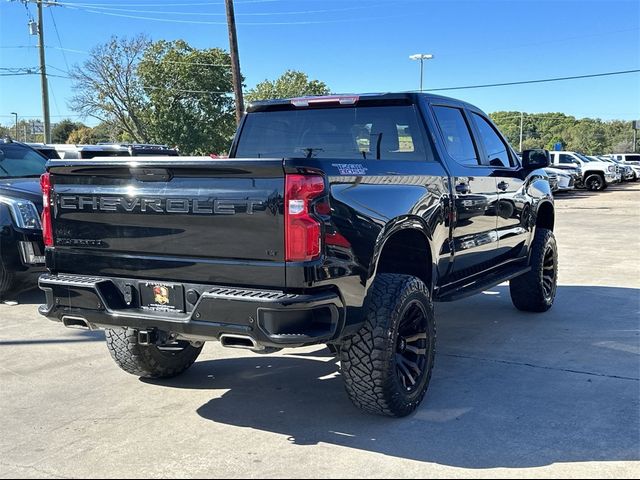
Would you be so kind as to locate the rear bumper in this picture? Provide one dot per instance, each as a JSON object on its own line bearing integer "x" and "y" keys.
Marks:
{"x": 271, "y": 318}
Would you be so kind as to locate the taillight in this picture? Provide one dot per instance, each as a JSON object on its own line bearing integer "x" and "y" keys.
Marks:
{"x": 302, "y": 231}
{"x": 47, "y": 227}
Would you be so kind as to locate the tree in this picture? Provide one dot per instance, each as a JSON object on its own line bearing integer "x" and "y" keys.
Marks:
{"x": 61, "y": 130}
{"x": 107, "y": 86}
{"x": 290, "y": 84}
{"x": 82, "y": 135}
{"x": 190, "y": 100}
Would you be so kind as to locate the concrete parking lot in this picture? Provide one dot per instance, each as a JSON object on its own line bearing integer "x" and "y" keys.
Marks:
{"x": 513, "y": 394}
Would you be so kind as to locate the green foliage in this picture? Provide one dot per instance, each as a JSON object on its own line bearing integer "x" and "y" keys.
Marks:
{"x": 586, "y": 135}
{"x": 290, "y": 84}
{"x": 189, "y": 99}
{"x": 61, "y": 130}
{"x": 107, "y": 86}
{"x": 103, "y": 132}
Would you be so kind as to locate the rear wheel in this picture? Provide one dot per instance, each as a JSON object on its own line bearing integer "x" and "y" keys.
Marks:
{"x": 595, "y": 182}
{"x": 535, "y": 291}
{"x": 149, "y": 361}
{"x": 387, "y": 365}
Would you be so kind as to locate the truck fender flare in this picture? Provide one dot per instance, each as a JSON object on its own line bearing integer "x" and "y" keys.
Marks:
{"x": 393, "y": 227}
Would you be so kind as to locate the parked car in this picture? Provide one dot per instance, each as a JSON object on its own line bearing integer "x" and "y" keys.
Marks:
{"x": 336, "y": 220}
{"x": 632, "y": 169}
{"x": 595, "y": 175}
{"x": 552, "y": 178}
{"x": 21, "y": 245}
{"x": 620, "y": 170}
{"x": 628, "y": 158}
{"x": 47, "y": 150}
{"x": 70, "y": 151}
{"x": 563, "y": 180}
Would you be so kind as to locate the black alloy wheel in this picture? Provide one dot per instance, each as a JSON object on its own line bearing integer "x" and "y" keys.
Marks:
{"x": 411, "y": 347}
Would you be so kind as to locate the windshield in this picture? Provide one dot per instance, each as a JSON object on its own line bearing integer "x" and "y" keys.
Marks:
{"x": 362, "y": 133}
{"x": 583, "y": 157}
{"x": 18, "y": 161}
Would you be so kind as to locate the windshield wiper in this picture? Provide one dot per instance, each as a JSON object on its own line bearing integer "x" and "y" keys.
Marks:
{"x": 311, "y": 150}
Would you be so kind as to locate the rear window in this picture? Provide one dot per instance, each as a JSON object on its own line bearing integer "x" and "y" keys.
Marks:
{"x": 360, "y": 133}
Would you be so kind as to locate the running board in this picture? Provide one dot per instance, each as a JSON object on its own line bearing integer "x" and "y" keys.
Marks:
{"x": 472, "y": 287}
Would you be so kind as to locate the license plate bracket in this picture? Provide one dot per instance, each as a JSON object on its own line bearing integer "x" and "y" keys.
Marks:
{"x": 162, "y": 297}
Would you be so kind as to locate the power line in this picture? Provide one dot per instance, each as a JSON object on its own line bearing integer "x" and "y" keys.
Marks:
{"x": 217, "y": 14}
{"x": 55, "y": 27}
{"x": 190, "y": 4}
{"x": 207, "y": 22}
{"x": 558, "y": 79}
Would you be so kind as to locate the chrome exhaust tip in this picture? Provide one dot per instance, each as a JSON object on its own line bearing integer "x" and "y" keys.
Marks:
{"x": 240, "y": 341}
{"x": 76, "y": 322}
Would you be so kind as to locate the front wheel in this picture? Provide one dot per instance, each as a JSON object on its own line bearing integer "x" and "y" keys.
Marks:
{"x": 535, "y": 291}
{"x": 595, "y": 182}
{"x": 149, "y": 361}
{"x": 6, "y": 281}
{"x": 387, "y": 364}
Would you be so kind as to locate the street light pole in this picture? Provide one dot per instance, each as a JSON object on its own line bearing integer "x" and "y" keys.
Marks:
{"x": 14, "y": 113}
{"x": 422, "y": 57}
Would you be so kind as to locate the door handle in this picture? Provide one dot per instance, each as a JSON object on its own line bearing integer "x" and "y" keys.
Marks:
{"x": 503, "y": 186}
{"x": 463, "y": 188}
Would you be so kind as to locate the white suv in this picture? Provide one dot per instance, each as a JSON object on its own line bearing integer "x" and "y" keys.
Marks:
{"x": 632, "y": 158}
{"x": 596, "y": 175}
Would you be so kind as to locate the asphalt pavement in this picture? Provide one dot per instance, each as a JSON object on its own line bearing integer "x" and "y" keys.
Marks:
{"x": 512, "y": 395}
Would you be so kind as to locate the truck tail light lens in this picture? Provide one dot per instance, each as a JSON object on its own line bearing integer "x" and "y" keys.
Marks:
{"x": 47, "y": 227}
{"x": 302, "y": 231}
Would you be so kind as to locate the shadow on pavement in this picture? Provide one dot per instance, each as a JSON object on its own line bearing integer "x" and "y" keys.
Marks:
{"x": 76, "y": 336}
{"x": 509, "y": 389}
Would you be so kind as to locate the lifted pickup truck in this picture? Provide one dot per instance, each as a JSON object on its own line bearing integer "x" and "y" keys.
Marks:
{"x": 336, "y": 220}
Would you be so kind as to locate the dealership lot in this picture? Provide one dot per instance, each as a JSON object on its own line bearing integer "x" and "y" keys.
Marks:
{"x": 512, "y": 394}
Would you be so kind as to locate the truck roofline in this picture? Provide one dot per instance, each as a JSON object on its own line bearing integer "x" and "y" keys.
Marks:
{"x": 381, "y": 97}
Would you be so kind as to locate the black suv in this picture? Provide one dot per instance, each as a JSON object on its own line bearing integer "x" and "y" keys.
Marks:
{"x": 336, "y": 220}
{"x": 21, "y": 245}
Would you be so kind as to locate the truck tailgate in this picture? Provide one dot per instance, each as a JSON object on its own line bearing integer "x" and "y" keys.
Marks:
{"x": 184, "y": 219}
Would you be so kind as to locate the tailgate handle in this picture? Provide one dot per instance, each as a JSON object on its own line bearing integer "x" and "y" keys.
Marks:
{"x": 151, "y": 174}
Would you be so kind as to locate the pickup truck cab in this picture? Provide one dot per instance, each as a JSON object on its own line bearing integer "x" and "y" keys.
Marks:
{"x": 596, "y": 175}
{"x": 336, "y": 220}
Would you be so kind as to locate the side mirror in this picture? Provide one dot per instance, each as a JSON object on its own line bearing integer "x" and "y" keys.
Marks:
{"x": 533, "y": 159}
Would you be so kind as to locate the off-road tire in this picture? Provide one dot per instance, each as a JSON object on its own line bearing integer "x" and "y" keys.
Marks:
{"x": 535, "y": 291}
{"x": 147, "y": 361}
{"x": 6, "y": 281}
{"x": 369, "y": 359}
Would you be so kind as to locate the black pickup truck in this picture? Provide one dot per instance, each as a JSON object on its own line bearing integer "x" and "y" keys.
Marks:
{"x": 336, "y": 220}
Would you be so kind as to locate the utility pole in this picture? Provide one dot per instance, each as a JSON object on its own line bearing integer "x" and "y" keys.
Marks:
{"x": 16, "y": 115}
{"x": 235, "y": 60}
{"x": 521, "y": 123}
{"x": 43, "y": 77}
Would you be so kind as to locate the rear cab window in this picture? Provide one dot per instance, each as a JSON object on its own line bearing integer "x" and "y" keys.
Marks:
{"x": 382, "y": 132}
{"x": 456, "y": 134}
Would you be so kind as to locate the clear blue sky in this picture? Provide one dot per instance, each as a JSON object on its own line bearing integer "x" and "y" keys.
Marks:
{"x": 362, "y": 46}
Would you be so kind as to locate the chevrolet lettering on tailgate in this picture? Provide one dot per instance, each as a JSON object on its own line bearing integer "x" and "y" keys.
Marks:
{"x": 159, "y": 205}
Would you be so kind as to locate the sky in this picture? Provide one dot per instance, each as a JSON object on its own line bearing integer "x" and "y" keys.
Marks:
{"x": 358, "y": 46}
